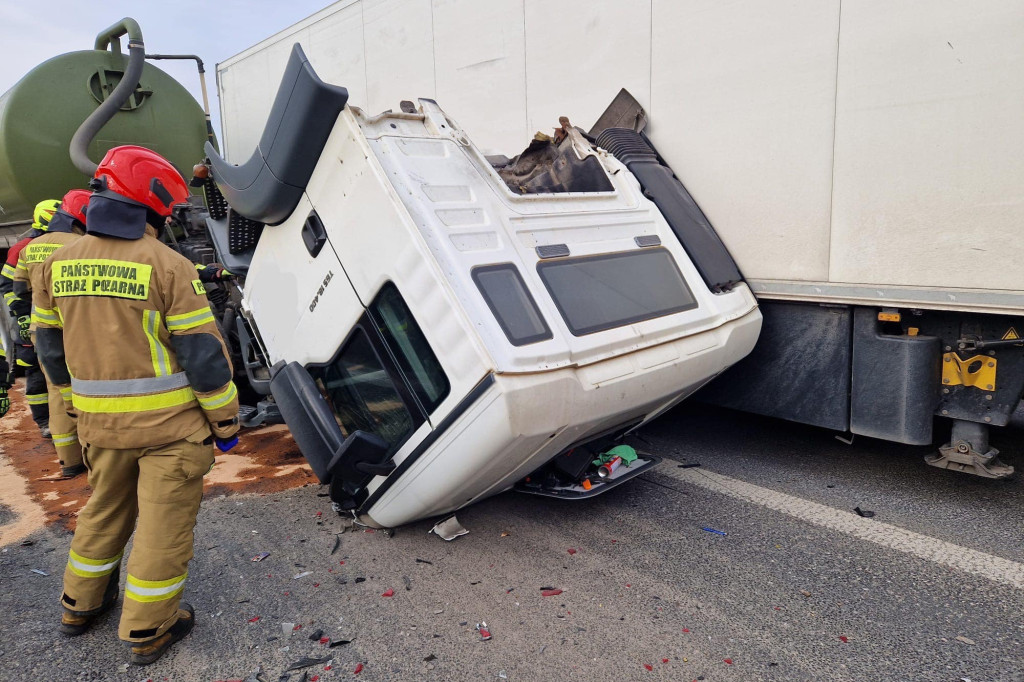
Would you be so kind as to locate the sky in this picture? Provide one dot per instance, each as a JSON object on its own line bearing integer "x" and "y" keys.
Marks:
{"x": 32, "y": 32}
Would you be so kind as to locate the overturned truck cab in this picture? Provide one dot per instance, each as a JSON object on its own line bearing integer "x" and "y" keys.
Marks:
{"x": 436, "y": 326}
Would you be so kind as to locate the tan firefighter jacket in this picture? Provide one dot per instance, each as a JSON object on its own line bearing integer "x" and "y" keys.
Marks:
{"x": 144, "y": 358}
{"x": 28, "y": 275}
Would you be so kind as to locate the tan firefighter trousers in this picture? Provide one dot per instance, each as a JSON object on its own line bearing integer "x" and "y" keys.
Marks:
{"x": 160, "y": 488}
{"x": 62, "y": 429}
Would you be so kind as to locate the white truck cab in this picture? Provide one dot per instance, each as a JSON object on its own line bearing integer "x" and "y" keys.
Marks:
{"x": 440, "y": 325}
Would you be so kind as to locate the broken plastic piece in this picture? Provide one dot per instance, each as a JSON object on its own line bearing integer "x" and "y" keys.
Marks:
{"x": 359, "y": 669}
{"x": 408, "y": 582}
{"x": 664, "y": 660}
{"x": 485, "y": 634}
{"x": 388, "y": 593}
{"x": 550, "y": 593}
{"x": 648, "y": 666}
{"x": 337, "y": 543}
{"x": 712, "y": 530}
{"x": 430, "y": 658}
{"x": 316, "y": 635}
{"x": 256, "y": 676}
{"x": 864, "y": 513}
{"x": 338, "y": 642}
{"x": 254, "y": 619}
{"x": 728, "y": 661}
{"x": 419, "y": 561}
{"x": 261, "y": 556}
{"x": 572, "y": 551}
{"x": 301, "y": 575}
{"x": 689, "y": 465}
{"x": 843, "y": 639}
{"x": 38, "y": 572}
{"x": 307, "y": 662}
{"x": 449, "y": 529}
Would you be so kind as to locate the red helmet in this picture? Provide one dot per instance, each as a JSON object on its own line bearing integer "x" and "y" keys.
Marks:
{"x": 74, "y": 203}
{"x": 143, "y": 177}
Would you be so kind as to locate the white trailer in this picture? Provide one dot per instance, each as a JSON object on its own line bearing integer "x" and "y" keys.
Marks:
{"x": 862, "y": 161}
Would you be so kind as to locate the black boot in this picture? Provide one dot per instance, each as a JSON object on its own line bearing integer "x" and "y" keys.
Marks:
{"x": 75, "y": 623}
{"x": 144, "y": 653}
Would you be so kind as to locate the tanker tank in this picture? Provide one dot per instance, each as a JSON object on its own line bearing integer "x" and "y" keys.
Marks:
{"x": 40, "y": 114}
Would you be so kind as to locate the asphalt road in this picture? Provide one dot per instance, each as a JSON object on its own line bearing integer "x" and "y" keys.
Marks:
{"x": 799, "y": 588}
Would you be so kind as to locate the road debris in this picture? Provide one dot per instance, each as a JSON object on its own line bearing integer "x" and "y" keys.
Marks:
{"x": 502, "y": 675}
{"x": 337, "y": 544}
{"x": 805, "y": 593}
{"x": 712, "y": 530}
{"x": 864, "y": 513}
{"x": 359, "y": 669}
{"x": 261, "y": 556}
{"x": 40, "y": 572}
{"x": 844, "y": 639}
{"x": 408, "y": 582}
{"x": 550, "y": 593}
{"x": 728, "y": 661}
{"x": 689, "y": 465}
{"x": 301, "y": 575}
{"x": 254, "y": 619}
{"x": 307, "y": 662}
{"x": 648, "y": 666}
{"x": 485, "y": 634}
{"x": 256, "y": 676}
{"x": 965, "y": 640}
{"x": 505, "y": 533}
{"x": 449, "y": 529}
{"x": 334, "y": 643}
{"x": 571, "y": 551}
{"x": 287, "y": 629}
{"x": 388, "y": 593}
{"x": 424, "y": 561}
{"x": 430, "y": 658}
{"x": 316, "y": 635}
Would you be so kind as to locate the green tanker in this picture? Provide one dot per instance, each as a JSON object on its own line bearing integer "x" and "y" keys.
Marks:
{"x": 40, "y": 115}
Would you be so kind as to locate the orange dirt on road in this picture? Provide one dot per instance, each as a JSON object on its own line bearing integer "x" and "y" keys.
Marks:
{"x": 265, "y": 461}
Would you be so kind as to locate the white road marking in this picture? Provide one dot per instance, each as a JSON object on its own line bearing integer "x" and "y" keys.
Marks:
{"x": 941, "y": 552}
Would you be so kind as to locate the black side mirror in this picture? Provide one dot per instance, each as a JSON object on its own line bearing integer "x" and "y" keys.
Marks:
{"x": 362, "y": 456}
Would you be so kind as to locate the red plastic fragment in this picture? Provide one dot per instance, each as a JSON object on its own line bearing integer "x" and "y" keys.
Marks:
{"x": 314, "y": 678}
{"x": 297, "y": 626}
{"x": 550, "y": 593}
{"x": 359, "y": 669}
{"x": 728, "y": 661}
{"x": 319, "y": 513}
{"x": 370, "y": 530}
{"x": 341, "y": 563}
{"x": 572, "y": 551}
{"x": 686, "y": 629}
{"x": 614, "y": 541}
{"x": 325, "y": 640}
{"x": 664, "y": 660}
{"x": 388, "y": 593}
{"x": 254, "y": 619}
{"x": 628, "y": 585}
{"x": 287, "y": 594}
{"x": 842, "y": 638}
{"x": 648, "y": 666}
{"x": 316, "y": 584}
{"x": 485, "y": 634}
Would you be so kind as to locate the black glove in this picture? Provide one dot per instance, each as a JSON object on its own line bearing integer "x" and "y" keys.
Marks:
{"x": 23, "y": 323}
{"x": 214, "y": 273}
{"x": 5, "y": 401}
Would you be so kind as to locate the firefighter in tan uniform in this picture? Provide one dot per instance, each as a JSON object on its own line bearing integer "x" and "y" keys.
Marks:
{"x": 66, "y": 226}
{"x": 124, "y": 321}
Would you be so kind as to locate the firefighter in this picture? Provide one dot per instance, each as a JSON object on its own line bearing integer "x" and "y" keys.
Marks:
{"x": 24, "y": 354}
{"x": 6, "y": 379}
{"x": 65, "y": 227}
{"x": 123, "y": 320}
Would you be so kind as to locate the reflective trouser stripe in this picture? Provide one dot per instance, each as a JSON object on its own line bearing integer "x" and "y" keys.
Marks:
{"x": 44, "y": 316}
{"x": 9, "y": 296}
{"x": 60, "y": 439}
{"x": 153, "y": 590}
{"x": 219, "y": 400}
{"x": 92, "y": 568}
{"x": 36, "y": 398}
{"x": 157, "y": 350}
{"x": 186, "y": 321}
{"x": 65, "y": 392}
{"x": 127, "y": 387}
{"x": 139, "y": 403}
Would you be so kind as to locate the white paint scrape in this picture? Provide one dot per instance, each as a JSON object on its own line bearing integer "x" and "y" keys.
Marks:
{"x": 932, "y": 549}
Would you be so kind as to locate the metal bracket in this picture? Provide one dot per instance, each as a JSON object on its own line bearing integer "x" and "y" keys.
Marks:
{"x": 978, "y": 371}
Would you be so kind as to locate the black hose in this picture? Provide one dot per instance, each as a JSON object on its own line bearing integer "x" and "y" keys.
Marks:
{"x": 110, "y": 106}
